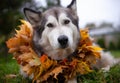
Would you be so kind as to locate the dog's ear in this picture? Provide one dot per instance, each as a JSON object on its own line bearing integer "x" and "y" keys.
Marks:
{"x": 32, "y": 16}
{"x": 73, "y": 6}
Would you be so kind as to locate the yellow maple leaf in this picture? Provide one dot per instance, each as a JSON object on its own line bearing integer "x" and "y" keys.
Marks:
{"x": 84, "y": 33}
{"x": 25, "y": 29}
{"x": 83, "y": 68}
{"x": 94, "y": 48}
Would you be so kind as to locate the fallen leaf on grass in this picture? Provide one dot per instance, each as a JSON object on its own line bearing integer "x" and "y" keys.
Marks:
{"x": 10, "y": 76}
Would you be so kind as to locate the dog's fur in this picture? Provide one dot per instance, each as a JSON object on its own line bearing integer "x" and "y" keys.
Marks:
{"x": 51, "y": 28}
{"x": 56, "y": 33}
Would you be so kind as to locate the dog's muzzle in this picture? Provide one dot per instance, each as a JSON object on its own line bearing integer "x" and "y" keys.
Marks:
{"x": 63, "y": 41}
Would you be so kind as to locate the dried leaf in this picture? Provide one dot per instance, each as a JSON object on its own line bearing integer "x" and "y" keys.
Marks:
{"x": 27, "y": 69}
{"x": 13, "y": 42}
{"x": 84, "y": 33}
{"x": 11, "y": 50}
{"x": 43, "y": 67}
{"x": 10, "y": 76}
{"x": 83, "y": 68}
{"x": 43, "y": 58}
{"x": 35, "y": 62}
{"x": 82, "y": 55}
{"x": 94, "y": 48}
{"x": 55, "y": 72}
{"x": 25, "y": 29}
{"x": 24, "y": 49}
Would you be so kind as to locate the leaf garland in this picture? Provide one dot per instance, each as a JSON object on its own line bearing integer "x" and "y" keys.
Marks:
{"x": 42, "y": 68}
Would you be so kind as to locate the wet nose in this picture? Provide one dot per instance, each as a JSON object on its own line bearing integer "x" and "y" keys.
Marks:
{"x": 63, "y": 41}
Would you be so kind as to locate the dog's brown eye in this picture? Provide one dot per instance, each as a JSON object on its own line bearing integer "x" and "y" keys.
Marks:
{"x": 66, "y": 21}
{"x": 50, "y": 25}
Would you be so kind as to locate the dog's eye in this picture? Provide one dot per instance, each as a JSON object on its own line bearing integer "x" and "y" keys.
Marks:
{"x": 50, "y": 25}
{"x": 66, "y": 21}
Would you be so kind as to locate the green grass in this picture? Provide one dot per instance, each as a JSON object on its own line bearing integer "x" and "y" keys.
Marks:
{"x": 116, "y": 53}
{"x": 113, "y": 76}
{"x": 10, "y": 66}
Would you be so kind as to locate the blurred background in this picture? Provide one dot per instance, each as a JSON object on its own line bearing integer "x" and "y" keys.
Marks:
{"x": 102, "y": 17}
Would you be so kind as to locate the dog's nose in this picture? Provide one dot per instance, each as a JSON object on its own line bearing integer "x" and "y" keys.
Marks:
{"x": 63, "y": 41}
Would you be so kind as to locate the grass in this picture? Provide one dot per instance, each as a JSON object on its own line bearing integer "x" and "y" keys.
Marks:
{"x": 10, "y": 66}
{"x": 116, "y": 53}
{"x": 112, "y": 76}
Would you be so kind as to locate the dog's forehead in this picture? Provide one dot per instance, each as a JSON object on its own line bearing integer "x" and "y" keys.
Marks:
{"x": 56, "y": 12}
{"x": 60, "y": 12}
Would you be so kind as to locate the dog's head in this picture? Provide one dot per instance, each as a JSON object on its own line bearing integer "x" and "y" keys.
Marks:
{"x": 56, "y": 30}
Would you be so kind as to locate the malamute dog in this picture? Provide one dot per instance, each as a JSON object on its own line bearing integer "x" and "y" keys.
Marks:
{"x": 56, "y": 32}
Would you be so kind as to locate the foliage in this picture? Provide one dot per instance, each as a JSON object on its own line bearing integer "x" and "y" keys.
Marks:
{"x": 91, "y": 26}
{"x": 106, "y": 24}
{"x": 101, "y": 42}
{"x": 10, "y": 13}
{"x": 112, "y": 46}
{"x": 115, "y": 53}
{"x": 49, "y": 4}
{"x": 53, "y": 2}
{"x": 44, "y": 67}
{"x": 10, "y": 66}
{"x": 101, "y": 77}
{"x": 118, "y": 45}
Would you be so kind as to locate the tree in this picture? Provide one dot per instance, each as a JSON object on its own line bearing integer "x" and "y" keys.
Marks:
{"x": 9, "y": 18}
{"x": 91, "y": 26}
{"x": 101, "y": 42}
{"x": 112, "y": 46}
{"x": 105, "y": 24}
{"x": 51, "y": 3}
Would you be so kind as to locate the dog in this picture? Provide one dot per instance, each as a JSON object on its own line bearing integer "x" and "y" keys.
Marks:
{"x": 56, "y": 33}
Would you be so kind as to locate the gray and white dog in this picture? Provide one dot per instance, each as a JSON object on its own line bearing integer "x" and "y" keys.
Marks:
{"x": 56, "y": 33}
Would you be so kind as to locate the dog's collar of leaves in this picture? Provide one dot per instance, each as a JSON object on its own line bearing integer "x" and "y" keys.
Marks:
{"x": 43, "y": 68}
